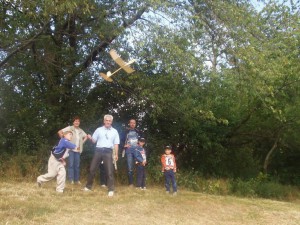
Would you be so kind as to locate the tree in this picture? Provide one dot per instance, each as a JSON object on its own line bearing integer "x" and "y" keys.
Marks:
{"x": 215, "y": 79}
{"x": 50, "y": 58}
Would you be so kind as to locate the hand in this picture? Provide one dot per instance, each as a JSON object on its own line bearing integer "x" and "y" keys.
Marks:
{"x": 116, "y": 158}
{"x": 62, "y": 160}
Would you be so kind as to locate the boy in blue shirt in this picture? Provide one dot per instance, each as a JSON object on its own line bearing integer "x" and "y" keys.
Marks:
{"x": 56, "y": 163}
{"x": 140, "y": 157}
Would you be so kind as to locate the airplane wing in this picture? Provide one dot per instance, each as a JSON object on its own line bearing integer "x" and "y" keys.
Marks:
{"x": 117, "y": 58}
{"x": 121, "y": 62}
{"x": 128, "y": 69}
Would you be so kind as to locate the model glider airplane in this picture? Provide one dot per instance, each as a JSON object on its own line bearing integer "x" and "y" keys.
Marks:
{"x": 123, "y": 65}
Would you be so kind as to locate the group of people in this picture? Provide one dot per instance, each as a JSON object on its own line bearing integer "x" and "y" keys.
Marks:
{"x": 107, "y": 141}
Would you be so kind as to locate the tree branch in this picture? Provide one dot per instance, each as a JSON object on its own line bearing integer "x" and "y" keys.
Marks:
{"x": 93, "y": 55}
{"x": 23, "y": 46}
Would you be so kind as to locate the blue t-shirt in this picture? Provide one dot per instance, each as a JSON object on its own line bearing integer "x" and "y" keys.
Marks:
{"x": 59, "y": 150}
{"x": 132, "y": 138}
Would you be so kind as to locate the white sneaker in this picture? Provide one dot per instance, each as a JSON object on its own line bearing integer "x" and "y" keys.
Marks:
{"x": 110, "y": 194}
{"x": 103, "y": 185}
{"x": 86, "y": 189}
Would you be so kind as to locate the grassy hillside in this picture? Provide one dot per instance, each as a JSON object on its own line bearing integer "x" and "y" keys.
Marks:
{"x": 25, "y": 203}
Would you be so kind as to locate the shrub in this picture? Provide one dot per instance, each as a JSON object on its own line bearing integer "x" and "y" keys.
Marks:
{"x": 194, "y": 181}
{"x": 243, "y": 188}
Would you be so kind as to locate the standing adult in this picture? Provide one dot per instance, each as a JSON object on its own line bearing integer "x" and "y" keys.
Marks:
{"x": 78, "y": 138}
{"x": 107, "y": 139}
{"x": 132, "y": 136}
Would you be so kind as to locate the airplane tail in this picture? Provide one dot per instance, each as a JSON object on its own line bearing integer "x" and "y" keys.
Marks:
{"x": 106, "y": 77}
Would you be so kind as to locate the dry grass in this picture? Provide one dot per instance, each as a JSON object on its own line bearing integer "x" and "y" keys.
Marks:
{"x": 25, "y": 203}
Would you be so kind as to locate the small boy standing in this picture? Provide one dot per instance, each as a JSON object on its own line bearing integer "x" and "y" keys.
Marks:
{"x": 56, "y": 163}
{"x": 140, "y": 157}
{"x": 169, "y": 169}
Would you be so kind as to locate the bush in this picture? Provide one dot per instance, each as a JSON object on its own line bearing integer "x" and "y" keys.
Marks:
{"x": 20, "y": 165}
{"x": 194, "y": 181}
{"x": 243, "y": 188}
{"x": 263, "y": 186}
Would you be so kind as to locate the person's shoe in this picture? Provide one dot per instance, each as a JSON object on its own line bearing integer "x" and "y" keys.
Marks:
{"x": 59, "y": 191}
{"x": 78, "y": 182}
{"x": 103, "y": 185}
{"x": 139, "y": 188}
{"x": 131, "y": 185}
{"x": 167, "y": 192}
{"x": 86, "y": 189}
{"x": 175, "y": 193}
{"x": 72, "y": 182}
{"x": 144, "y": 188}
{"x": 39, "y": 184}
{"x": 110, "y": 194}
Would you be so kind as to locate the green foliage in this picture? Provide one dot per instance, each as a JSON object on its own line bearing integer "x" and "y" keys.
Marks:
{"x": 242, "y": 188}
{"x": 263, "y": 186}
{"x": 273, "y": 190}
{"x": 245, "y": 166}
{"x": 154, "y": 174}
{"x": 217, "y": 80}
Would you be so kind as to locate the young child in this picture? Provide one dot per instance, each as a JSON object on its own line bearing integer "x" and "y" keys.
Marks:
{"x": 56, "y": 163}
{"x": 169, "y": 169}
{"x": 140, "y": 157}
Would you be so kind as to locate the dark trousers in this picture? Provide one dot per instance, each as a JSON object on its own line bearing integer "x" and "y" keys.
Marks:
{"x": 141, "y": 176}
{"x": 105, "y": 155}
{"x": 170, "y": 178}
{"x": 103, "y": 180}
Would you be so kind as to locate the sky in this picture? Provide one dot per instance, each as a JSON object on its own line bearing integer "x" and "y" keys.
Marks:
{"x": 258, "y": 3}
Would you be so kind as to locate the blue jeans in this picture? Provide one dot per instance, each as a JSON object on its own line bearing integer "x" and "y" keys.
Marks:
{"x": 170, "y": 178}
{"x": 130, "y": 163}
{"x": 74, "y": 166}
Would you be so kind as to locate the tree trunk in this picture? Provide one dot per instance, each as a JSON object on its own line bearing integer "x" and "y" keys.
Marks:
{"x": 267, "y": 159}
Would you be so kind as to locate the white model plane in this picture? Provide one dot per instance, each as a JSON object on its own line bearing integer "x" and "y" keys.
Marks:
{"x": 123, "y": 65}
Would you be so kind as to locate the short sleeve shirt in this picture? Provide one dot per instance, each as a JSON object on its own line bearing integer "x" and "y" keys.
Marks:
{"x": 106, "y": 137}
